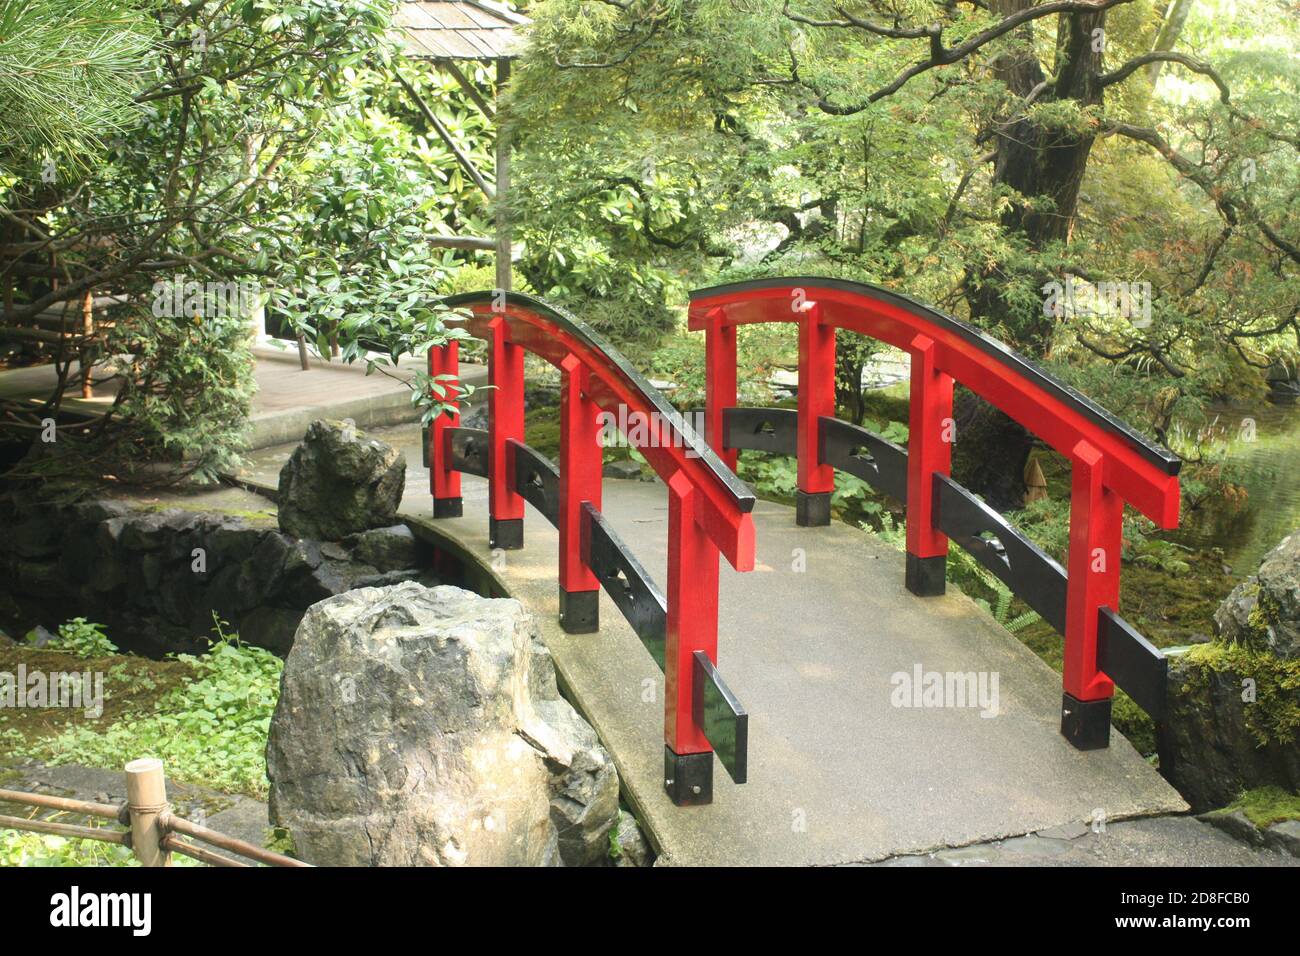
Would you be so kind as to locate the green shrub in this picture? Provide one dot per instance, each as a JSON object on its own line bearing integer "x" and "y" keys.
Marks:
{"x": 212, "y": 730}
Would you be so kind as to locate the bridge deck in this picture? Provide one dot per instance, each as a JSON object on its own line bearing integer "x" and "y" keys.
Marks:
{"x": 837, "y": 773}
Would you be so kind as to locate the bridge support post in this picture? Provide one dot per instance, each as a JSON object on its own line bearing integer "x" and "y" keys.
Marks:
{"x": 816, "y": 399}
{"x": 444, "y": 481}
{"x": 1096, "y": 539}
{"x": 931, "y": 432}
{"x": 505, "y": 423}
{"x": 692, "y": 626}
{"x": 719, "y": 383}
{"x": 580, "y": 473}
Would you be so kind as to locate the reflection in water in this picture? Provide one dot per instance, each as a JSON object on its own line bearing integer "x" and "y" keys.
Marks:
{"x": 1267, "y": 464}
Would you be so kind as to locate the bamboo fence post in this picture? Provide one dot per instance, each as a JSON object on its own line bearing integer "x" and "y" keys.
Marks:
{"x": 146, "y": 798}
{"x": 88, "y": 332}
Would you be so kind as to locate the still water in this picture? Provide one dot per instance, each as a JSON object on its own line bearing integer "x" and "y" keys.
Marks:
{"x": 1265, "y": 460}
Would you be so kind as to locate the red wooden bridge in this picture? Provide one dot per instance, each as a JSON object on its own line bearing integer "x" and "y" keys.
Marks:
{"x": 811, "y": 657}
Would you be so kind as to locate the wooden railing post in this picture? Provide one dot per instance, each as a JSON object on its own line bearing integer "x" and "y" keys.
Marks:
{"x": 581, "y": 461}
{"x": 931, "y": 433}
{"x": 719, "y": 383}
{"x": 816, "y": 399}
{"x": 1096, "y": 539}
{"x": 505, "y": 423}
{"x": 146, "y": 800}
{"x": 692, "y": 626}
{"x": 444, "y": 481}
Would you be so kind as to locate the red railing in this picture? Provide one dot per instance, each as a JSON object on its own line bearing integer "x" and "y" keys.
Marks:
{"x": 1111, "y": 465}
{"x": 708, "y": 511}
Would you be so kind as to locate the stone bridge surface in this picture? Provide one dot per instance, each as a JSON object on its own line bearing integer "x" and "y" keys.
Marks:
{"x": 837, "y": 772}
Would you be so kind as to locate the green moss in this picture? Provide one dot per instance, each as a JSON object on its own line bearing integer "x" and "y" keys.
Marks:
{"x": 280, "y": 840}
{"x": 1265, "y": 806}
{"x": 1265, "y": 615}
{"x": 1132, "y": 721}
{"x": 1172, "y": 609}
{"x": 542, "y": 431}
{"x": 205, "y": 506}
{"x": 1274, "y": 717}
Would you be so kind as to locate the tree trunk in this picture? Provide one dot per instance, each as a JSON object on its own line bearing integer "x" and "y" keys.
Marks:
{"x": 1170, "y": 30}
{"x": 1045, "y": 167}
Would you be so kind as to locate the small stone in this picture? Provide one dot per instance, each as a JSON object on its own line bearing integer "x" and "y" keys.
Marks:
{"x": 1034, "y": 847}
{"x": 965, "y": 856}
{"x": 388, "y": 549}
{"x": 1064, "y": 831}
{"x": 1236, "y": 824}
{"x": 624, "y": 468}
{"x": 1284, "y": 836}
{"x": 333, "y": 551}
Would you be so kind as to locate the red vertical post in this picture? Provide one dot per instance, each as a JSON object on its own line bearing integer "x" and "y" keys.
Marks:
{"x": 931, "y": 433}
{"x": 505, "y": 423}
{"x": 1096, "y": 539}
{"x": 692, "y": 626}
{"x": 816, "y": 399}
{"x": 444, "y": 481}
{"x": 581, "y": 461}
{"x": 719, "y": 383}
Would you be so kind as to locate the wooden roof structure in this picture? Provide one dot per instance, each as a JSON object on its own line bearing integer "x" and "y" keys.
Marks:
{"x": 458, "y": 29}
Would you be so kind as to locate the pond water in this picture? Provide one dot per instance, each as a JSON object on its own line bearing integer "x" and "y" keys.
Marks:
{"x": 1264, "y": 460}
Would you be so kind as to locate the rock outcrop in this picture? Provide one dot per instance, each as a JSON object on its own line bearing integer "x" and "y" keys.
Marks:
{"x": 1264, "y": 611}
{"x": 422, "y": 726}
{"x": 156, "y": 578}
{"x": 1234, "y": 704}
{"x": 339, "y": 482}
{"x": 1209, "y": 743}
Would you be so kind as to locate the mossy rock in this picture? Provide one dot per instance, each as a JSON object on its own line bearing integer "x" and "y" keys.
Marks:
{"x": 1233, "y": 723}
{"x": 1263, "y": 612}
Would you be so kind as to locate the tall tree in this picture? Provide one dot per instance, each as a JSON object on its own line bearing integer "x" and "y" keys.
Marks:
{"x": 947, "y": 147}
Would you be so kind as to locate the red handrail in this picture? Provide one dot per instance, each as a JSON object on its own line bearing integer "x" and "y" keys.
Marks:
{"x": 708, "y": 506}
{"x": 1111, "y": 463}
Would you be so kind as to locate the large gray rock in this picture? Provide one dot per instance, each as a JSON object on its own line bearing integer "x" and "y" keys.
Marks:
{"x": 339, "y": 482}
{"x": 422, "y": 726}
{"x": 1264, "y": 610}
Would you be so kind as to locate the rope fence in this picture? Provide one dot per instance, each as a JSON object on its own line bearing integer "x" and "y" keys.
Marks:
{"x": 152, "y": 832}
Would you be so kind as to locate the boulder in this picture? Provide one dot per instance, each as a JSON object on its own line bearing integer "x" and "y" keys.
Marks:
{"x": 1208, "y": 749}
{"x": 339, "y": 482}
{"x": 1284, "y": 837}
{"x": 624, "y": 468}
{"x": 1264, "y": 611}
{"x": 423, "y": 726}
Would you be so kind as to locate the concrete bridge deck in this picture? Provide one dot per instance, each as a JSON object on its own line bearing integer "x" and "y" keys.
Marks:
{"x": 837, "y": 773}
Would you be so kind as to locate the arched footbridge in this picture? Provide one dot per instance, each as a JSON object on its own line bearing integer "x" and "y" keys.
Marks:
{"x": 855, "y": 708}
